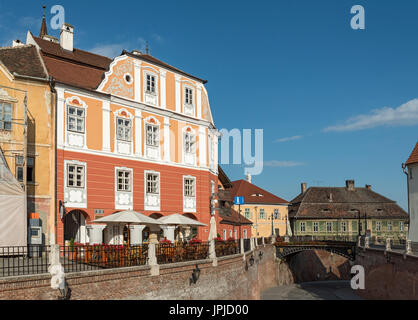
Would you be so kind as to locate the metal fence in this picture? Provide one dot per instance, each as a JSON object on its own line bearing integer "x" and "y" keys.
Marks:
{"x": 86, "y": 258}
{"x": 24, "y": 260}
{"x": 172, "y": 253}
{"x": 226, "y": 248}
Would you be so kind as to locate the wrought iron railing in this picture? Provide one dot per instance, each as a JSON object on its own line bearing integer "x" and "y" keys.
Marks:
{"x": 226, "y": 248}
{"x": 180, "y": 252}
{"x": 24, "y": 260}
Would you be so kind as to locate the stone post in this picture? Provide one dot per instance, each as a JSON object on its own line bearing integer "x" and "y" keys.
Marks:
{"x": 388, "y": 247}
{"x": 367, "y": 242}
{"x": 252, "y": 244}
{"x": 273, "y": 239}
{"x": 152, "y": 259}
{"x": 359, "y": 241}
{"x": 136, "y": 234}
{"x": 212, "y": 253}
{"x": 242, "y": 248}
{"x": 96, "y": 234}
{"x": 408, "y": 247}
{"x": 154, "y": 231}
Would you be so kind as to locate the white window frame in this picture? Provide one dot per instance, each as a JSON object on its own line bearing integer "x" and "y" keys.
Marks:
{"x": 401, "y": 226}
{"x": 391, "y": 226}
{"x": 262, "y": 217}
{"x": 76, "y": 117}
{"x": 155, "y": 136}
{"x": 124, "y": 171}
{"x": 378, "y": 226}
{"x": 193, "y": 186}
{"x": 76, "y": 167}
{"x": 124, "y": 128}
{"x": 188, "y": 106}
{"x": 276, "y": 214}
{"x": 158, "y": 187}
{"x": 245, "y": 234}
{"x": 329, "y": 224}
{"x": 247, "y": 213}
{"x": 315, "y": 226}
{"x": 3, "y": 120}
{"x": 344, "y": 226}
{"x": 189, "y": 143}
{"x": 150, "y": 74}
{"x": 302, "y": 227}
{"x": 225, "y": 235}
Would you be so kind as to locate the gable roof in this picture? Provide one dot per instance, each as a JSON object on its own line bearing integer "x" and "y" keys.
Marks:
{"x": 334, "y": 202}
{"x": 234, "y": 219}
{"x": 23, "y": 60}
{"x": 413, "y": 158}
{"x": 254, "y": 194}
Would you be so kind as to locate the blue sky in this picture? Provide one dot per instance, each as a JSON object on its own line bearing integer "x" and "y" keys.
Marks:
{"x": 335, "y": 103}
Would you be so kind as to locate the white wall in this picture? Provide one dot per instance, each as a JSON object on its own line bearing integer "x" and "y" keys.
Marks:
{"x": 413, "y": 202}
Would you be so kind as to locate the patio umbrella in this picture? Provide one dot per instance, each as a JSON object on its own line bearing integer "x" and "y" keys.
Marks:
{"x": 128, "y": 217}
{"x": 179, "y": 220}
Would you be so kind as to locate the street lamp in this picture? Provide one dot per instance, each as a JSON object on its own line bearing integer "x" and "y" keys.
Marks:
{"x": 272, "y": 225}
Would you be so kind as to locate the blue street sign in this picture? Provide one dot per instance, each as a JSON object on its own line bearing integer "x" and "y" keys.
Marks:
{"x": 239, "y": 200}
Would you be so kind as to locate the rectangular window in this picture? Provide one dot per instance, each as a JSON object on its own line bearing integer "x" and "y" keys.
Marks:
{"x": 152, "y": 135}
{"x": 329, "y": 226}
{"x": 230, "y": 233}
{"x": 189, "y": 143}
{"x": 378, "y": 226}
{"x": 75, "y": 176}
{"x": 190, "y": 187}
{"x": 316, "y": 227}
{"x": 262, "y": 216}
{"x": 302, "y": 227}
{"x": 124, "y": 180}
{"x": 151, "y": 83}
{"x": 153, "y": 183}
{"x": 401, "y": 226}
{"x": 247, "y": 213}
{"x": 5, "y": 116}
{"x": 389, "y": 225}
{"x": 344, "y": 226}
{"x": 124, "y": 129}
{"x": 245, "y": 234}
{"x": 188, "y": 96}
{"x": 225, "y": 235}
{"x": 276, "y": 214}
{"x": 30, "y": 169}
{"x": 76, "y": 118}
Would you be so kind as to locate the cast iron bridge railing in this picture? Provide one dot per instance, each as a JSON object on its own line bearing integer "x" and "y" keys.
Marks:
{"x": 344, "y": 246}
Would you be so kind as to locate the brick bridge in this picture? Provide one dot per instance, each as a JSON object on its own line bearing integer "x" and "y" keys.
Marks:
{"x": 344, "y": 246}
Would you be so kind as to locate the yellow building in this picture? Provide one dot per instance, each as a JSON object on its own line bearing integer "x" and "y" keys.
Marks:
{"x": 267, "y": 212}
{"x": 24, "y": 86}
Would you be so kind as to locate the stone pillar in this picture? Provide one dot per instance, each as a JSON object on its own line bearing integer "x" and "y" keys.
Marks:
{"x": 359, "y": 241}
{"x": 367, "y": 242}
{"x": 152, "y": 259}
{"x": 388, "y": 247}
{"x": 169, "y": 232}
{"x": 154, "y": 231}
{"x": 136, "y": 234}
{"x": 242, "y": 248}
{"x": 212, "y": 253}
{"x": 252, "y": 244}
{"x": 96, "y": 234}
{"x": 408, "y": 247}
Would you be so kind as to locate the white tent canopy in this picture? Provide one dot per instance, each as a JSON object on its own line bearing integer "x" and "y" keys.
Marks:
{"x": 179, "y": 220}
{"x": 128, "y": 217}
{"x": 13, "y": 215}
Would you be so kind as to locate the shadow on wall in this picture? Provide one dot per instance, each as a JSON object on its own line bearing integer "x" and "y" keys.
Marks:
{"x": 318, "y": 265}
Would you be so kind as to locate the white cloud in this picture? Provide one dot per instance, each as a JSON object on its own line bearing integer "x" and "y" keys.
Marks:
{"x": 283, "y": 164}
{"x": 115, "y": 49}
{"x": 289, "y": 139}
{"x": 404, "y": 115}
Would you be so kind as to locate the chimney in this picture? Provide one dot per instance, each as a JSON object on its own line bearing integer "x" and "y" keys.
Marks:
{"x": 350, "y": 185}
{"x": 249, "y": 178}
{"x": 17, "y": 43}
{"x": 368, "y": 187}
{"x": 67, "y": 37}
{"x": 303, "y": 187}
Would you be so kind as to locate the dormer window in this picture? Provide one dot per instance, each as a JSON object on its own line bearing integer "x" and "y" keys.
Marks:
{"x": 257, "y": 195}
{"x": 5, "y": 116}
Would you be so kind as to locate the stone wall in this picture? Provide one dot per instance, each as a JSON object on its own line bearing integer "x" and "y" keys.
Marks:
{"x": 388, "y": 275}
{"x": 227, "y": 281}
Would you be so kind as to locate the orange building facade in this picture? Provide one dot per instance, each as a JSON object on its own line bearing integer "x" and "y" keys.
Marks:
{"x": 132, "y": 133}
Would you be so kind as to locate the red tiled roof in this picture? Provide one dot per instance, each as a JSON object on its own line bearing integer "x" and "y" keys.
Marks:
{"x": 24, "y": 60}
{"x": 254, "y": 194}
{"x": 413, "y": 158}
{"x": 235, "y": 219}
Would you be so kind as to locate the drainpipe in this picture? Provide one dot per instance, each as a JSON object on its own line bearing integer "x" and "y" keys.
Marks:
{"x": 54, "y": 92}
{"x": 407, "y": 186}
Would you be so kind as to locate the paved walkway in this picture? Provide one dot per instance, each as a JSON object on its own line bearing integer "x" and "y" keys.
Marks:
{"x": 320, "y": 290}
